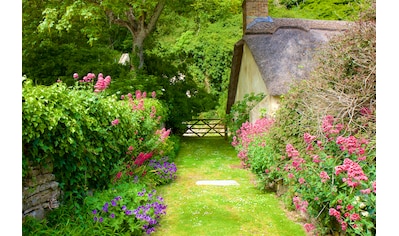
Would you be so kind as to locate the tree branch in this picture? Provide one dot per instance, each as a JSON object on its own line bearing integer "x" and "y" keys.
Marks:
{"x": 155, "y": 16}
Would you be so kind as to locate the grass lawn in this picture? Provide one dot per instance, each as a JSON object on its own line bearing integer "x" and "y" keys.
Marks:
{"x": 219, "y": 210}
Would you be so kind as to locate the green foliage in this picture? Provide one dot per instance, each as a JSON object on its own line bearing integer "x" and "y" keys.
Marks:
{"x": 126, "y": 208}
{"x": 239, "y": 112}
{"x": 316, "y": 9}
{"x": 73, "y": 127}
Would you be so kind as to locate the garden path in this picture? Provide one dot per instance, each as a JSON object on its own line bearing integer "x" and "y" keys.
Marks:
{"x": 214, "y": 209}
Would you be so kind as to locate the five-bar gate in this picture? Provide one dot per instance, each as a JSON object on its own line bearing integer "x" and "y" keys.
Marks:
{"x": 205, "y": 127}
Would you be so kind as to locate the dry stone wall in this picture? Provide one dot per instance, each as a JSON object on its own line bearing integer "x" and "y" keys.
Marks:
{"x": 40, "y": 191}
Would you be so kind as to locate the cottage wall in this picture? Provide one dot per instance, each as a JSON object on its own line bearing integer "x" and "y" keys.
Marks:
{"x": 250, "y": 81}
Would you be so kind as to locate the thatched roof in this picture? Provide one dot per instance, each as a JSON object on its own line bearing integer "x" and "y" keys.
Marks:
{"x": 283, "y": 50}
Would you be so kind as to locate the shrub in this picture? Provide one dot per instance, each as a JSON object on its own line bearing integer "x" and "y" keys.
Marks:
{"x": 85, "y": 134}
{"x": 239, "y": 112}
{"x": 331, "y": 182}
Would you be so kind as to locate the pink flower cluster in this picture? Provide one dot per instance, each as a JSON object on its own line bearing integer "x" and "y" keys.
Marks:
{"x": 296, "y": 161}
{"x": 336, "y": 212}
{"x": 163, "y": 134}
{"x": 354, "y": 172}
{"x": 329, "y": 127}
{"x": 249, "y": 131}
{"x": 352, "y": 145}
{"x": 142, "y": 157}
{"x": 324, "y": 176}
{"x": 300, "y": 205}
{"x": 246, "y": 134}
{"x": 102, "y": 83}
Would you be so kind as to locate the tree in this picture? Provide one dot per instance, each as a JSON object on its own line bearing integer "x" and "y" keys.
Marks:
{"x": 139, "y": 17}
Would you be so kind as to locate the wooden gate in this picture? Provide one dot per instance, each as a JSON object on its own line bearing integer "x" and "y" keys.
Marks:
{"x": 205, "y": 127}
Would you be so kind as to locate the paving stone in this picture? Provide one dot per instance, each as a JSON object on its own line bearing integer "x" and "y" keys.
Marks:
{"x": 217, "y": 182}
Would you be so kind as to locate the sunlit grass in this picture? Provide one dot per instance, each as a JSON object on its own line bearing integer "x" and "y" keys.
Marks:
{"x": 219, "y": 210}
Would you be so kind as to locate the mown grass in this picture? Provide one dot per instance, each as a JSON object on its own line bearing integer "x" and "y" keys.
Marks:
{"x": 219, "y": 210}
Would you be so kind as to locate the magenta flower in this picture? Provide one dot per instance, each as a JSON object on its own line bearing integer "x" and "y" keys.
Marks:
{"x": 75, "y": 76}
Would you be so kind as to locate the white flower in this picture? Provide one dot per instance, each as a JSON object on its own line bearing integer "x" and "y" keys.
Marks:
{"x": 364, "y": 213}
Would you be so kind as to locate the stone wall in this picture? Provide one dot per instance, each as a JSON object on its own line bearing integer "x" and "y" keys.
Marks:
{"x": 40, "y": 191}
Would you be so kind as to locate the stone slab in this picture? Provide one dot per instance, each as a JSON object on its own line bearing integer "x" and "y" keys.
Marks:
{"x": 217, "y": 182}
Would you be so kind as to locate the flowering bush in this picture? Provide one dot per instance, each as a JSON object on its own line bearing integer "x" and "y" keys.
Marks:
{"x": 133, "y": 210}
{"x": 86, "y": 133}
{"x": 163, "y": 171}
{"x": 247, "y": 134}
{"x": 331, "y": 182}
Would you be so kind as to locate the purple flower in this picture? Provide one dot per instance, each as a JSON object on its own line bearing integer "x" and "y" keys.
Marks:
{"x": 112, "y": 215}
{"x": 113, "y": 202}
{"x": 100, "y": 220}
{"x": 105, "y": 207}
{"x": 95, "y": 218}
{"x": 124, "y": 208}
{"x": 94, "y": 211}
{"x": 128, "y": 212}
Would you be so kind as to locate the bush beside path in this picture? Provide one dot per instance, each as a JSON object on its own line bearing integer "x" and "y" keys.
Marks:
{"x": 219, "y": 210}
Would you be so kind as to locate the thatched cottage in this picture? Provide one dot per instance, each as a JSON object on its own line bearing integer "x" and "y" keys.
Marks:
{"x": 273, "y": 53}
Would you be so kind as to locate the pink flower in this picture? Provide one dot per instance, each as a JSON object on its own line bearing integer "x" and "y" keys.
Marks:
{"x": 349, "y": 207}
{"x": 365, "y": 191}
{"x": 130, "y": 148}
{"x": 153, "y": 94}
{"x": 374, "y": 186}
{"x": 290, "y": 175}
{"x": 301, "y": 180}
{"x": 115, "y": 122}
{"x": 324, "y": 176}
{"x": 309, "y": 227}
{"x": 316, "y": 159}
{"x": 355, "y": 217}
{"x": 308, "y": 138}
{"x": 75, "y": 76}
{"x": 354, "y": 172}
{"x": 291, "y": 151}
{"x": 344, "y": 225}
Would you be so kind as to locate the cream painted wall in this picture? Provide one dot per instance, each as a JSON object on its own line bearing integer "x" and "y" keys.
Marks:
{"x": 250, "y": 80}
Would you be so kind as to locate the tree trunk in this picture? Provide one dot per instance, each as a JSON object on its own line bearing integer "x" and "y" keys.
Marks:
{"x": 139, "y": 28}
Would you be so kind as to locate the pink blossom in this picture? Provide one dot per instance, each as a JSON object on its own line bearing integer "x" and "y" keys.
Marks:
{"x": 316, "y": 159}
{"x": 290, "y": 175}
{"x": 309, "y": 227}
{"x": 153, "y": 94}
{"x": 163, "y": 134}
{"x": 301, "y": 180}
{"x": 335, "y": 213}
{"x": 324, "y": 176}
{"x": 122, "y": 97}
{"x": 349, "y": 207}
{"x": 365, "y": 191}
{"x": 291, "y": 151}
{"x": 115, "y": 122}
{"x": 138, "y": 94}
{"x": 308, "y": 138}
{"x": 365, "y": 111}
{"x": 344, "y": 225}
{"x": 299, "y": 204}
{"x": 355, "y": 217}
{"x": 75, "y": 76}
{"x": 374, "y": 186}
{"x": 130, "y": 148}
{"x": 354, "y": 172}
